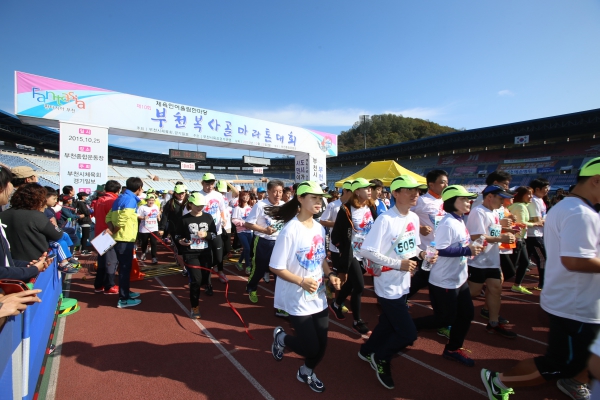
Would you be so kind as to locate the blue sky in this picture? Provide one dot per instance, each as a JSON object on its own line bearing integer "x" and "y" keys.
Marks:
{"x": 317, "y": 64}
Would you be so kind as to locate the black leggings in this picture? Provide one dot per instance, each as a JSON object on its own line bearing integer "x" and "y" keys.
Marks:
{"x": 144, "y": 236}
{"x": 85, "y": 235}
{"x": 521, "y": 261}
{"x": 197, "y": 276}
{"x": 311, "y": 337}
{"x": 354, "y": 286}
{"x": 537, "y": 252}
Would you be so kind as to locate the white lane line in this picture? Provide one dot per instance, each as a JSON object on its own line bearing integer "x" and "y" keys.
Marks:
{"x": 429, "y": 367}
{"x": 226, "y": 353}
{"x": 56, "y": 354}
{"x": 223, "y": 355}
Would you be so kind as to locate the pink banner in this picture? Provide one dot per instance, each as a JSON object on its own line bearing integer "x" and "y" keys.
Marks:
{"x": 26, "y": 83}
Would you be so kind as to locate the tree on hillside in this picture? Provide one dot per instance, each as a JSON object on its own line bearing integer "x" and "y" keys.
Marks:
{"x": 387, "y": 129}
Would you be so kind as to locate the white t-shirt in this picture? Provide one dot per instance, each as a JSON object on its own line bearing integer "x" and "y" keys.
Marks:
{"x": 572, "y": 229}
{"x": 257, "y": 216}
{"x": 215, "y": 206}
{"x": 330, "y": 214}
{"x": 362, "y": 219}
{"x": 483, "y": 221}
{"x": 150, "y": 224}
{"x": 387, "y": 237}
{"x": 301, "y": 251}
{"x": 430, "y": 211}
{"x": 450, "y": 272}
{"x": 241, "y": 213}
{"x": 537, "y": 208}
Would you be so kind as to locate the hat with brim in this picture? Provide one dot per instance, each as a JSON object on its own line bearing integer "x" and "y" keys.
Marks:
{"x": 208, "y": 177}
{"x": 495, "y": 189}
{"x": 590, "y": 168}
{"x": 347, "y": 185}
{"x": 180, "y": 189}
{"x": 310, "y": 187}
{"x": 260, "y": 190}
{"x": 23, "y": 172}
{"x": 457, "y": 191}
{"x": 360, "y": 183}
{"x": 197, "y": 199}
{"x": 222, "y": 186}
{"x": 150, "y": 197}
{"x": 406, "y": 182}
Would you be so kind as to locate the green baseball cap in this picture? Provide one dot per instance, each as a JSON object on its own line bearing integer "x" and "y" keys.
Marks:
{"x": 591, "y": 168}
{"x": 360, "y": 183}
{"x": 310, "y": 187}
{"x": 222, "y": 186}
{"x": 457, "y": 191}
{"x": 347, "y": 185}
{"x": 150, "y": 196}
{"x": 197, "y": 199}
{"x": 180, "y": 189}
{"x": 406, "y": 182}
{"x": 208, "y": 177}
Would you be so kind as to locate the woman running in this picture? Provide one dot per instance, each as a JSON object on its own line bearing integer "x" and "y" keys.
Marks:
{"x": 170, "y": 221}
{"x": 357, "y": 217}
{"x": 196, "y": 232}
{"x": 149, "y": 215}
{"x": 298, "y": 260}
{"x": 448, "y": 287}
{"x": 240, "y": 213}
{"x": 523, "y": 196}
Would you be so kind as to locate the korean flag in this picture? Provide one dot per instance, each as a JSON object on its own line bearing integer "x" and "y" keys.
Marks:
{"x": 522, "y": 139}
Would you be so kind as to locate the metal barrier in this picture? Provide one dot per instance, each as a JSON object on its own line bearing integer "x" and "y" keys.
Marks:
{"x": 24, "y": 339}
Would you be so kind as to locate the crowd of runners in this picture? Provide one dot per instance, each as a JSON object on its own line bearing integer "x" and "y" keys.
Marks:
{"x": 408, "y": 236}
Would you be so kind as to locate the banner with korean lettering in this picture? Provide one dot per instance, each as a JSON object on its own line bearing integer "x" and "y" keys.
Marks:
{"x": 39, "y": 97}
{"x": 83, "y": 156}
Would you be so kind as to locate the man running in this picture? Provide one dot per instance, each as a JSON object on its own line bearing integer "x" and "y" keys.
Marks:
{"x": 570, "y": 296}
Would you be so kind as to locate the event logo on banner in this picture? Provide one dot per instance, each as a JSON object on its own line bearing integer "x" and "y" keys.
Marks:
{"x": 128, "y": 115}
{"x": 83, "y": 156}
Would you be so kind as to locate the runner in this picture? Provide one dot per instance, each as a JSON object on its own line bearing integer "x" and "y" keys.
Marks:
{"x": 240, "y": 214}
{"x": 376, "y": 194}
{"x": 149, "y": 215}
{"x": 266, "y": 230}
{"x": 570, "y": 296}
{"x": 535, "y": 234}
{"x": 171, "y": 220}
{"x": 519, "y": 209}
{"x": 353, "y": 223}
{"x": 197, "y": 230}
{"x": 484, "y": 221}
{"x": 215, "y": 206}
{"x": 393, "y": 243}
{"x": 448, "y": 288}
{"x": 298, "y": 260}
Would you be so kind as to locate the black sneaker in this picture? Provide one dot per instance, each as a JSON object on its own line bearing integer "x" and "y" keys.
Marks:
{"x": 486, "y": 314}
{"x": 366, "y": 358}
{"x": 384, "y": 373}
{"x": 313, "y": 382}
{"x": 276, "y": 349}
{"x": 337, "y": 311}
{"x": 184, "y": 272}
{"x": 209, "y": 290}
{"x": 501, "y": 330}
{"x": 362, "y": 328}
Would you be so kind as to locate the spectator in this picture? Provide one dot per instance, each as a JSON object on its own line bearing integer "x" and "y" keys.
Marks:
{"x": 107, "y": 263}
{"x": 20, "y": 176}
{"x": 16, "y": 303}
{"x": 84, "y": 219}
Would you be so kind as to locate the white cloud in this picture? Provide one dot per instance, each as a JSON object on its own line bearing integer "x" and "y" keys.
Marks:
{"x": 505, "y": 92}
{"x": 300, "y": 116}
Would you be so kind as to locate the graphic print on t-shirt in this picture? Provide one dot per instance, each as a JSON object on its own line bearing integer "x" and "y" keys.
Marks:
{"x": 196, "y": 242}
{"x": 277, "y": 225}
{"x": 311, "y": 258}
{"x": 367, "y": 222}
{"x": 437, "y": 217}
{"x": 212, "y": 208}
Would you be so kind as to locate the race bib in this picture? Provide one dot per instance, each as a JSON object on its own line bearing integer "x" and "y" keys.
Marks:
{"x": 197, "y": 243}
{"x": 317, "y": 276}
{"x": 495, "y": 230}
{"x": 357, "y": 241}
{"x": 436, "y": 221}
{"x": 406, "y": 247}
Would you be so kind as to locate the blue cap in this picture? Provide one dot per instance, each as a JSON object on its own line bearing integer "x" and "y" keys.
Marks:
{"x": 495, "y": 189}
{"x": 260, "y": 190}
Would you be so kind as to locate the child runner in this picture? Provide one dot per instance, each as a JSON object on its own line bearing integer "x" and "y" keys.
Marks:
{"x": 357, "y": 217}
{"x": 149, "y": 215}
{"x": 298, "y": 260}
{"x": 393, "y": 243}
{"x": 448, "y": 288}
{"x": 197, "y": 231}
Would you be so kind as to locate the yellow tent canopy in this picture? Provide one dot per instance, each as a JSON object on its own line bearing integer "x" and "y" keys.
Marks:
{"x": 385, "y": 171}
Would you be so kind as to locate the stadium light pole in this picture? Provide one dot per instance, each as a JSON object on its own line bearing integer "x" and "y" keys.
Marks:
{"x": 363, "y": 124}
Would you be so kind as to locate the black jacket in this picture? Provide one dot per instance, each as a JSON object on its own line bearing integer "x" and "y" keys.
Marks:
{"x": 82, "y": 208}
{"x": 172, "y": 213}
{"x": 28, "y": 232}
{"x": 14, "y": 269}
{"x": 342, "y": 234}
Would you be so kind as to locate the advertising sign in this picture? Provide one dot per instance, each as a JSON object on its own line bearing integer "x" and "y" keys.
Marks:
{"x": 526, "y": 160}
{"x": 188, "y": 166}
{"x": 545, "y": 170}
{"x": 45, "y": 101}
{"x": 465, "y": 170}
{"x": 257, "y": 170}
{"x": 83, "y": 156}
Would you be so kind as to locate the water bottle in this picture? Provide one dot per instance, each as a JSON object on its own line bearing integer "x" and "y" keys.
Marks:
{"x": 479, "y": 242}
{"x": 430, "y": 251}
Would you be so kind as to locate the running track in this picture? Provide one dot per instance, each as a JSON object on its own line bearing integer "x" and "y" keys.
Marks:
{"x": 155, "y": 351}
